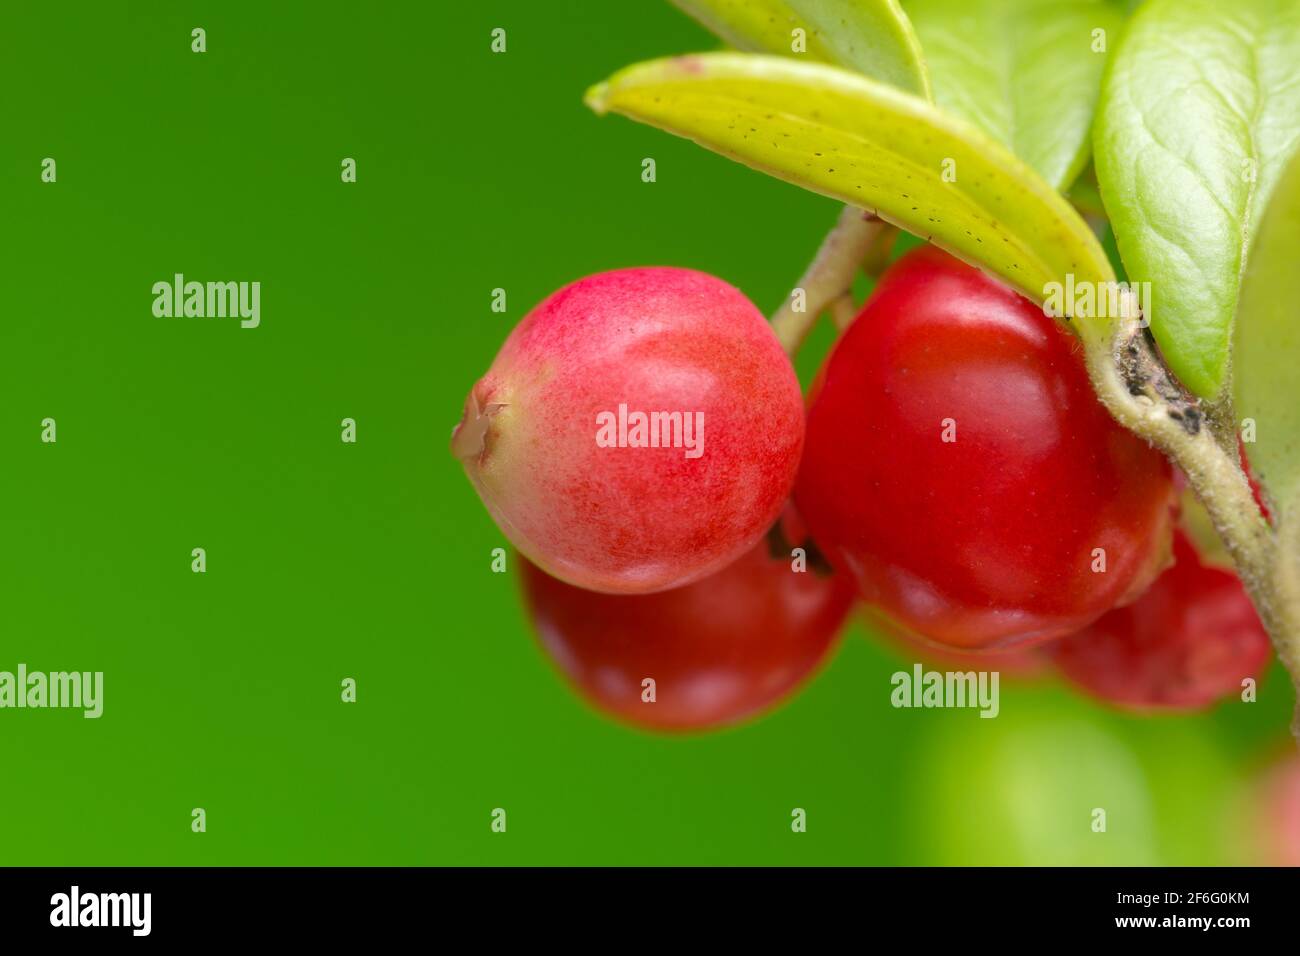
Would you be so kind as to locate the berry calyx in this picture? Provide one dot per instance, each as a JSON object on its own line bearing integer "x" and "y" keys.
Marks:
{"x": 1019, "y": 663}
{"x": 959, "y": 466}
{"x": 640, "y": 429}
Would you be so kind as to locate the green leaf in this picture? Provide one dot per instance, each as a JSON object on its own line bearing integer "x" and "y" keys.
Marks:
{"x": 864, "y": 143}
{"x": 1267, "y": 344}
{"x": 1027, "y": 72}
{"x": 873, "y": 37}
{"x": 1200, "y": 108}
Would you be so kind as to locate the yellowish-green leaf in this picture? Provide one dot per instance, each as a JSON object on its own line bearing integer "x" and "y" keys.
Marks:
{"x": 1267, "y": 346}
{"x": 873, "y": 37}
{"x": 868, "y": 144}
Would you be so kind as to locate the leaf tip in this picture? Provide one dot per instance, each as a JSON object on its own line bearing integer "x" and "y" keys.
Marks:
{"x": 597, "y": 98}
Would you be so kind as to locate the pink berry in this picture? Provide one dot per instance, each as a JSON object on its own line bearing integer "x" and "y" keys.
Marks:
{"x": 639, "y": 430}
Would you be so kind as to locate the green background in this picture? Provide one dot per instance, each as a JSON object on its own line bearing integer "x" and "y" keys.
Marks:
{"x": 328, "y": 560}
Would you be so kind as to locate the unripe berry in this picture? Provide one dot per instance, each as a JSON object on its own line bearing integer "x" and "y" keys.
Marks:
{"x": 960, "y": 467}
{"x": 639, "y": 430}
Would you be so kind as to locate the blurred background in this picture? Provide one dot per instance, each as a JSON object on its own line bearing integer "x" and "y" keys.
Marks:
{"x": 372, "y": 561}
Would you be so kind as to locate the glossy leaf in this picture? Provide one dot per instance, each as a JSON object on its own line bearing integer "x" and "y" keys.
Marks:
{"x": 1200, "y": 109}
{"x": 862, "y": 142}
{"x": 1267, "y": 345}
{"x": 1027, "y": 72}
{"x": 873, "y": 37}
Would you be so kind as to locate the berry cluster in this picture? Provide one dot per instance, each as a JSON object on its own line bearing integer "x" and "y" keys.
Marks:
{"x": 642, "y": 440}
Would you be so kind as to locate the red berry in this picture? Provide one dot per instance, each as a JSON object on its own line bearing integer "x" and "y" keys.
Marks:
{"x": 959, "y": 466}
{"x": 718, "y": 651}
{"x": 1256, "y": 491}
{"x": 1021, "y": 663}
{"x": 639, "y": 429}
{"x": 1188, "y": 641}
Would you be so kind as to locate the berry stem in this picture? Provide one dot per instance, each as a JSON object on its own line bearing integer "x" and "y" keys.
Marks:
{"x": 843, "y": 311}
{"x": 1133, "y": 383}
{"x": 829, "y": 277}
